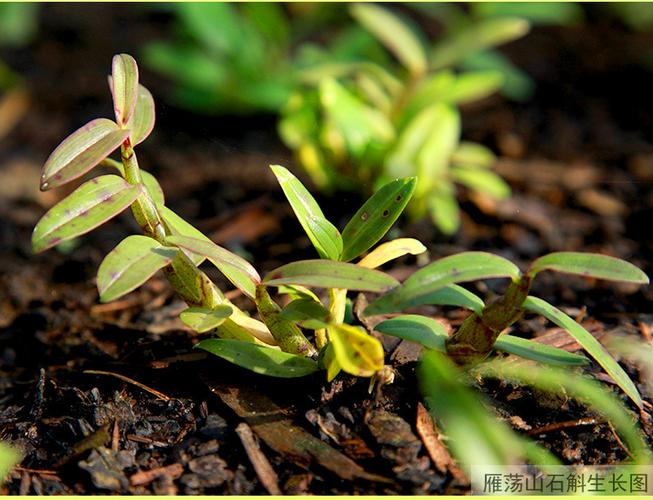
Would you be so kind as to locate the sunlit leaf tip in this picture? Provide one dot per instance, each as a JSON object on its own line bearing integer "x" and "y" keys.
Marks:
{"x": 124, "y": 86}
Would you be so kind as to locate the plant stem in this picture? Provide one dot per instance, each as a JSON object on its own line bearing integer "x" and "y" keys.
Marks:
{"x": 144, "y": 210}
{"x": 287, "y": 334}
{"x": 476, "y": 336}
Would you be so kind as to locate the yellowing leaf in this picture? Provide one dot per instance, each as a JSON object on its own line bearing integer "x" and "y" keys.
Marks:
{"x": 81, "y": 151}
{"x": 392, "y": 250}
{"x": 90, "y": 205}
{"x": 357, "y": 352}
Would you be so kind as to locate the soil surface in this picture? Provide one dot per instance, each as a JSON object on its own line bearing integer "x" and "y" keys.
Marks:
{"x": 111, "y": 398}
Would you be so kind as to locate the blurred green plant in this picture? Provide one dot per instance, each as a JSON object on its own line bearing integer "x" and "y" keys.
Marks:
{"x": 470, "y": 36}
{"x": 226, "y": 57}
{"x": 356, "y": 125}
{"x": 18, "y": 23}
{"x": 9, "y": 457}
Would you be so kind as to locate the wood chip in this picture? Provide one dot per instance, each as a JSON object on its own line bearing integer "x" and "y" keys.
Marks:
{"x": 264, "y": 470}
{"x": 275, "y": 427}
{"x": 436, "y": 449}
{"x": 144, "y": 477}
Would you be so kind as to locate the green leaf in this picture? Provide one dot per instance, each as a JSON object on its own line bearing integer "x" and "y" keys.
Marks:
{"x": 297, "y": 292}
{"x": 517, "y": 84}
{"x": 433, "y": 88}
{"x": 9, "y": 457}
{"x": 236, "y": 269}
{"x": 588, "y": 342}
{"x": 260, "y": 359}
{"x": 473, "y": 86}
{"x": 434, "y": 156}
{"x": 589, "y": 264}
{"x": 391, "y": 250}
{"x": 432, "y": 335}
{"x": 356, "y": 352}
{"x": 179, "y": 227}
{"x": 536, "y": 351}
{"x": 124, "y": 86}
{"x": 475, "y": 435}
{"x": 202, "y": 320}
{"x": 471, "y": 154}
{"x": 90, "y": 205}
{"x": 81, "y": 151}
{"x": 142, "y": 121}
{"x": 558, "y": 13}
{"x": 450, "y": 295}
{"x": 377, "y": 215}
{"x": 425, "y": 331}
{"x": 130, "y": 264}
{"x": 465, "y": 266}
{"x": 330, "y": 274}
{"x": 444, "y": 209}
{"x": 359, "y": 125}
{"x": 328, "y": 236}
{"x": 325, "y": 237}
{"x": 307, "y": 313}
{"x": 395, "y": 34}
{"x": 482, "y": 181}
{"x": 477, "y": 36}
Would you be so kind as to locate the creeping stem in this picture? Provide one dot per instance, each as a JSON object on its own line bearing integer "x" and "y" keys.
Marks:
{"x": 476, "y": 336}
{"x": 287, "y": 334}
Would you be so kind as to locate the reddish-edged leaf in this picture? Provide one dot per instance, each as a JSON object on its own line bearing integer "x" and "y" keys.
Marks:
{"x": 237, "y": 270}
{"x": 142, "y": 121}
{"x": 81, "y": 151}
{"x": 124, "y": 86}
{"x": 130, "y": 264}
{"x": 90, "y": 205}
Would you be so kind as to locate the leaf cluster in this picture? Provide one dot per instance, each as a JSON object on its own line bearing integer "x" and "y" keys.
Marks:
{"x": 311, "y": 331}
{"x": 364, "y": 122}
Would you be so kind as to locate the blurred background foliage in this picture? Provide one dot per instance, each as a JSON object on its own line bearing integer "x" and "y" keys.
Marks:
{"x": 361, "y": 92}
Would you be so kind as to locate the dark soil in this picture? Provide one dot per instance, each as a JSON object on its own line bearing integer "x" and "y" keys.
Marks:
{"x": 579, "y": 157}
